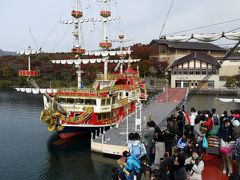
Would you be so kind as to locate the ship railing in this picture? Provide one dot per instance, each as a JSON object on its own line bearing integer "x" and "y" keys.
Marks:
{"x": 115, "y": 76}
{"x": 94, "y": 92}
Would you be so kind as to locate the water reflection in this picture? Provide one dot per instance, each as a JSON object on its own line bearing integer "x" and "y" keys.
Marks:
{"x": 72, "y": 159}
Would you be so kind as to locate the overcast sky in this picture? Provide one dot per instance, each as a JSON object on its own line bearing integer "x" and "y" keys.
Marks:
{"x": 141, "y": 20}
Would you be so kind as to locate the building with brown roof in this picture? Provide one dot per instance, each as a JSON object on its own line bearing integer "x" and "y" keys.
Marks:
{"x": 190, "y": 70}
{"x": 171, "y": 51}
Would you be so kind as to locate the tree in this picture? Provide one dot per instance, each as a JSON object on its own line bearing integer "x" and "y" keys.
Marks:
{"x": 141, "y": 51}
{"x": 230, "y": 82}
{"x": 7, "y": 71}
{"x": 161, "y": 67}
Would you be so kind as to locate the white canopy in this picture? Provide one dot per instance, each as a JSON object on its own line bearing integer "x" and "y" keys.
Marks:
{"x": 229, "y": 100}
{"x": 36, "y": 90}
{"x": 92, "y": 61}
{"x": 204, "y": 37}
{"x": 107, "y": 53}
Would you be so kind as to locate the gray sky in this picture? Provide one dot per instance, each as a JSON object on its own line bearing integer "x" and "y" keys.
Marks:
{"x": 141, "y": 20}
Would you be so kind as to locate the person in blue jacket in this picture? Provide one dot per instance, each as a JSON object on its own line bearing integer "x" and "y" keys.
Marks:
{"x": 132, "y": 167}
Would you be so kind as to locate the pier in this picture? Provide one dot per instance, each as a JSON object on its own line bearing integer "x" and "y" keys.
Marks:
{"x": 114, "y": 141}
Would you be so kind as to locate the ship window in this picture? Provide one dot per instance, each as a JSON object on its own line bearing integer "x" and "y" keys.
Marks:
{"x": 126, "y": 93}
{"x": 93, "y": 102}
{"x": 61, "y": 100}
{"x": 114, "y": 100}
{"x": 103, "y": 102}
{"x": 108, "y": 101}
{"x": 90, "y": 101}
{"x": 70, "y": 101}
{"x": 108, "y": 115}
{"x": 104, "y": 116}
{"x": 79, "y": 101}
{"x": 99, "y": 117}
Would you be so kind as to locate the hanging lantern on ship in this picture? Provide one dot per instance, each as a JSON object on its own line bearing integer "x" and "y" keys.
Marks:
{"x": 121, "y": 36}
{"x": 77, "y": 14}
{"x": 78, "y": 50}
{"x": 105, "y": 44}
{"x": 105, "y": 13}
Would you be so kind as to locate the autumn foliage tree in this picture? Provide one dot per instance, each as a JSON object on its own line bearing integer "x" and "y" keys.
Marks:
{"x": 148, "y": 67}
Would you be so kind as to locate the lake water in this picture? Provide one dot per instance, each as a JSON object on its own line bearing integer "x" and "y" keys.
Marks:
{"x": 29, "y": 151}
{"x": 203, "y": 102}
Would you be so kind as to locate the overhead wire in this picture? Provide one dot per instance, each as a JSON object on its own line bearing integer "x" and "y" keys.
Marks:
{"x": 60, "y": 39}
{"x": 165, "y": 21}
{"x": 54, "y": 27}
{"x": 31, "y": 33}
{"x": 233, "y": 29}
{"x": 206, "y": 26}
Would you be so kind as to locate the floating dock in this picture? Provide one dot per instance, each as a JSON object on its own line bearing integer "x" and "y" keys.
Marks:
{"x": 114, "y": 141}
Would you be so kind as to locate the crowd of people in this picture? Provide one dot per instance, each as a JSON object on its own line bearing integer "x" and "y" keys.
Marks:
{"x": 175, "y": 151}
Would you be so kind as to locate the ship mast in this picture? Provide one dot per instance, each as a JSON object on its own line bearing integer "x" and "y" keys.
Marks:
{"x": 77, "y": 49}
{"x": 121, "y": 37}
{"x": 105, "y": 44}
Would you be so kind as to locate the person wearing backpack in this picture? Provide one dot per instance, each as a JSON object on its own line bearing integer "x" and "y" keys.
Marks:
{"x": 182, "y": 143}
{"x": 215, "y": 117}
{"x": 136, "y": 147}
{"x": 208, "y": 123}
{"x": 236, "y": 154}
{"x": 132, "y": 167}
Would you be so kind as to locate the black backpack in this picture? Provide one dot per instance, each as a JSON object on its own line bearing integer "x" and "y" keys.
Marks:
{"x": 215, "y": 119}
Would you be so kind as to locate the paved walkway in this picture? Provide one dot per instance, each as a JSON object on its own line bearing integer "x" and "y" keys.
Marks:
{"x": 172, "y": 95}
{"x": 114, "y": 141}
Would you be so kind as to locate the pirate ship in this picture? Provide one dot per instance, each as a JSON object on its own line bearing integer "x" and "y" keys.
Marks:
{"x": 112, "y": 95}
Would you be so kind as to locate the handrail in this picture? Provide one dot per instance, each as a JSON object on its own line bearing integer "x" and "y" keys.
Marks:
{"x": 114, "y": 76}
{"x": 97, "y": 92}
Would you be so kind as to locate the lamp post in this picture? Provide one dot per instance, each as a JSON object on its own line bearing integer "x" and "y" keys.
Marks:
{"x": 166, "y": 85}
